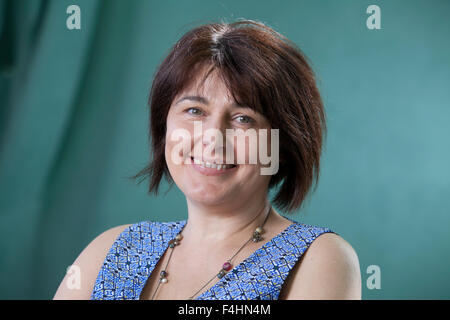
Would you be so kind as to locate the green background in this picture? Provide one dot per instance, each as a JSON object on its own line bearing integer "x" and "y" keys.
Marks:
{"x": 73, "y": 126}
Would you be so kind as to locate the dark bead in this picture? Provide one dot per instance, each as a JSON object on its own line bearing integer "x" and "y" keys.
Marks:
{"x": 256, "y": 237}
{"x": 172, "y": 243}
{"x": 221, "y": 274}
{"x": 163, "y": 274}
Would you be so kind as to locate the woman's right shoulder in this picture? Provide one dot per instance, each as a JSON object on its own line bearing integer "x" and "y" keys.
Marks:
{"x": 81, "y": 275}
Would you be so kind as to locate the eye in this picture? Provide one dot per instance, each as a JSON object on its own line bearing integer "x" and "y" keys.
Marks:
{"x": 193, "y": 111}
{"x": 245, "y": 119}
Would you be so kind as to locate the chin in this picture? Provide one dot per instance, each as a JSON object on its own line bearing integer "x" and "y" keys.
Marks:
{"x": 207, "y": 197}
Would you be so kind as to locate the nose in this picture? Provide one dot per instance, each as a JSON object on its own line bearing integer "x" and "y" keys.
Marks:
{"x": 213, "y": 135}
{"x": 218, "y": 119}
{"x": 213, "y": 126}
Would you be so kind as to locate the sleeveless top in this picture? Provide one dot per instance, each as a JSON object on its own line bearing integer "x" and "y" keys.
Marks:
{"x": 137, "y": 250}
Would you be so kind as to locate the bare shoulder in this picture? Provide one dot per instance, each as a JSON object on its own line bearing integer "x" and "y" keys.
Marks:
{"x": 329, "y": 269}
{"x": 87, "y": 265}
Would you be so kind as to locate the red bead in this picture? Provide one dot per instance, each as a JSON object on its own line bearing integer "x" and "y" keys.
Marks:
{"x": 227, "y": 266}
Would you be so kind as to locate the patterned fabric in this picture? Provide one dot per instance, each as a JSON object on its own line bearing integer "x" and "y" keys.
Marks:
{"x": 139, "y": 247}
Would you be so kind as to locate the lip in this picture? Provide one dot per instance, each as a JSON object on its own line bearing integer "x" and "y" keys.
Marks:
{"x": 211, "y": 171}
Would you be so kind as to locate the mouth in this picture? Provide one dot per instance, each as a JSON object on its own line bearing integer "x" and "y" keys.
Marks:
{"x": 214, "y": 166}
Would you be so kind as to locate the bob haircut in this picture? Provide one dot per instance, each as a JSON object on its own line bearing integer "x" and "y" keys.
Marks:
{"x": 263, "y": 70}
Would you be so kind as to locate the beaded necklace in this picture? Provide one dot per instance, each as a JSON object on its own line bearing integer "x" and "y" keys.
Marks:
{"x": 227, "y": 266}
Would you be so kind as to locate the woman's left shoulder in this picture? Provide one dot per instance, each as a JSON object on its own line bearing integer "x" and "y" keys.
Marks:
{"x": 331, "y": 247}
{"x": 328, "y": 269}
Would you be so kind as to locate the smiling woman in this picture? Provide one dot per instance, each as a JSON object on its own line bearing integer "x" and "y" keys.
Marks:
{"x": 262, "y": 72}
{"x": 247, "y": 78}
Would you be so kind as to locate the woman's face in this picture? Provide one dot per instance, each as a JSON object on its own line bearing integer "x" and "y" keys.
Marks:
{"x": 213, "y": 110}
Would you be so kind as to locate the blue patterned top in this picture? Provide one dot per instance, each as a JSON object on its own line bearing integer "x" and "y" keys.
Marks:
{"x": 137, "y": 250}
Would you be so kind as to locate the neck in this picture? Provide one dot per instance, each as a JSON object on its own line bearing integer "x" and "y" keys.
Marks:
{"x": 213, "y": 224}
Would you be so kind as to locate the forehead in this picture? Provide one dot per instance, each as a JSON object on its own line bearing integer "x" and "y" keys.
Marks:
{"x": 206, "y": 82}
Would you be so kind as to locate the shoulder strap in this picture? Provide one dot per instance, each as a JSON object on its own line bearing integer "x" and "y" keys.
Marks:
{"x": 132, "y": 257}
{"x": 261, "y": 276}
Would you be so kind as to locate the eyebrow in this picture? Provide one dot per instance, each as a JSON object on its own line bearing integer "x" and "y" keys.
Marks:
{"x": 205, "y": 101}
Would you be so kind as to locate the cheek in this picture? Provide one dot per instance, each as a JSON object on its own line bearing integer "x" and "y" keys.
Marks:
{"x": 178, "y": 144}
{"x": 250, "y": 179}
{"x": 248, "y": 149}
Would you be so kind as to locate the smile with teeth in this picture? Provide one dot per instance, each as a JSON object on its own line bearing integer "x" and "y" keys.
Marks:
{"x": 207, "y": 164}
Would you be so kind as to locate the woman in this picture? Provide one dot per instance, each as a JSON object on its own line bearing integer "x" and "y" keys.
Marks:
{"x": 243, "y": 77}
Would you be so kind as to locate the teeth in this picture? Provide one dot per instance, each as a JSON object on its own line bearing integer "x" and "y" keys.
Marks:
{"x": 212, "y": 165}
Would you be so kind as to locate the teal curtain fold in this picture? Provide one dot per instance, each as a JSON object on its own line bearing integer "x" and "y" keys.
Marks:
{"x": 59, "y": 96}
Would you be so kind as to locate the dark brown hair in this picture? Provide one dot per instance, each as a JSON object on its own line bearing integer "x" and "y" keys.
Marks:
{"x": 262, "y": 69}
